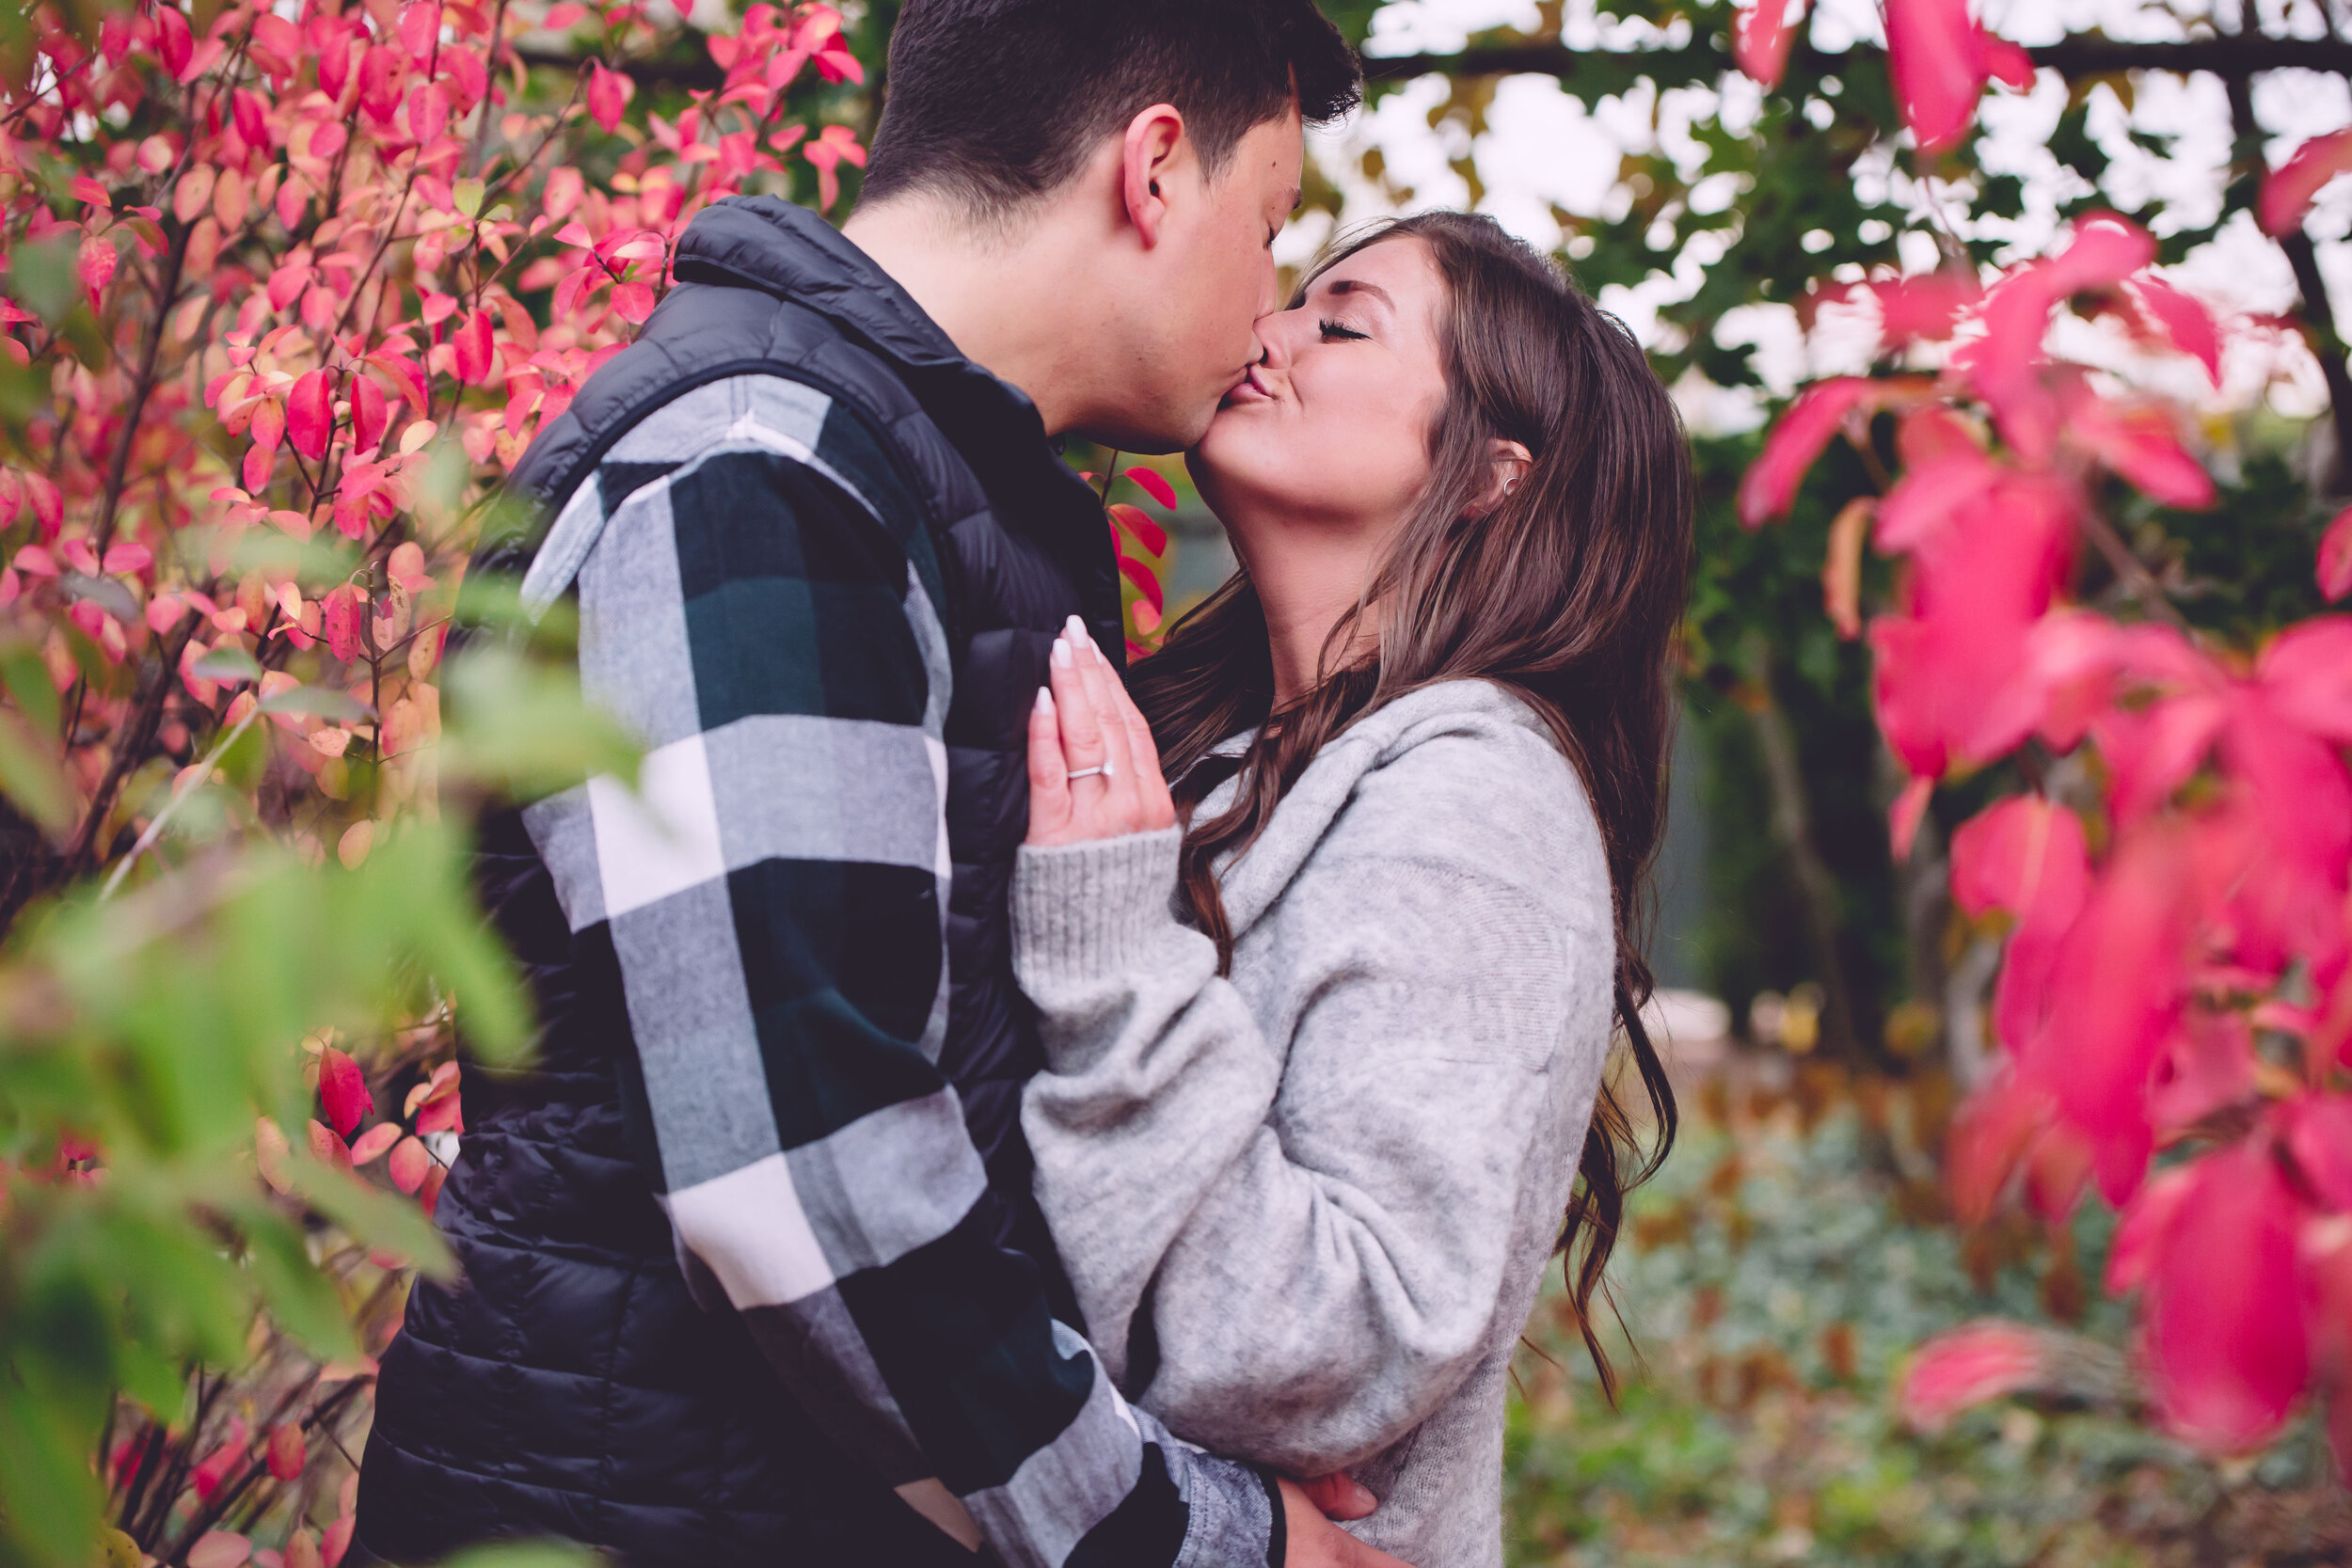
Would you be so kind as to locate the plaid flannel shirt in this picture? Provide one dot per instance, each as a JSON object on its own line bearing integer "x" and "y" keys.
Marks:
{"x": 758, "y": 600}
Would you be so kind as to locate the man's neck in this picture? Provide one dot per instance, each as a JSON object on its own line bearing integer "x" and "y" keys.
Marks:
{"x": 1017, "y": 306}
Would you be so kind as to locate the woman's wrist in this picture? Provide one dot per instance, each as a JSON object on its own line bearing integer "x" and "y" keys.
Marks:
{"x": 1081, "y": 911}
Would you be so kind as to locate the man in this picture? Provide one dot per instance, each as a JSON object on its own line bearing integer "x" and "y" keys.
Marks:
{"x": 821, "y": 543}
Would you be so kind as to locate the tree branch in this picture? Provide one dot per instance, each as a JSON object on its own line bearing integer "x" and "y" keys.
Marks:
{"x": 1702, "y": 61}
{"x": 2319, "y": 315}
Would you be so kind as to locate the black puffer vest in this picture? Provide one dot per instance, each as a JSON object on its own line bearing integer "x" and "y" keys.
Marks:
{"x": 567, "y": 1385}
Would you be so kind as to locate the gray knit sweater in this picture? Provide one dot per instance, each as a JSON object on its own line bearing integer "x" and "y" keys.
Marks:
{"x": 1330, "y": 1184}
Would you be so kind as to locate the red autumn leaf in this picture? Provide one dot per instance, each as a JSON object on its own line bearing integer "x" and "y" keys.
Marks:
{"x": 1760, "y": 36}
{"x": 270, "y": 1149}
{"x": 2006, "y": 365}
{"x": 342, "y": 1090}
{"x": 252, "y": 119}
{"x": 2144, "y": 1228}
{"x": 214, "y": 1466}
{"x": 287, "y": 1451}
{"x": 96, "y": 264}
{"x": 1155, "y": 485}
{"x": 2335, "y": 557}
{"x": 410, "y": 1162}
{"x": 369, "y": 414}
{"x": 2139, "y": 441}
{"x": 1841, "y": 567}
{"x": 2306, "y": 678}
{"x": 1151, "y": 535}
{"x": 1146, "y": 584}
{"x": 340, "y": 613}
{"x": 311, "y": 414}
{"x": 633, "y": 302}
{"x": 1924, "y": 307}
{"x": 834, "y": 146}
{"x": 48, "y": 504}
{"x": 2117, "y": 988}
{"x": 471, "y": 341}
{"x": 268, "y": 426}
{"x": 430, "y": 1194}
{"x": 444, "y": 1110}
{"x": 1770, "y": 485}
{"x": 405, "y": 371}
{"x": 608, "y": 92}
{"x": 2288, "y": 190}
{"x": 2183, "y": 322}
{"x": 384, "y": 1134}
{"x": 2028, "y": 857}
{"x": 325, "y": 1148}
{"x": 174, "y": 41}
{"x": 1940, "y": 58}
{"x": 2227, "y": 1344}
{"x": 1964, "y": 1368}
{"x": 1990, "y": 1136}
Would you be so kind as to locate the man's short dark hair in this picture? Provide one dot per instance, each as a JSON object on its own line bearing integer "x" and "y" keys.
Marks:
{"x": 997, "y": 101}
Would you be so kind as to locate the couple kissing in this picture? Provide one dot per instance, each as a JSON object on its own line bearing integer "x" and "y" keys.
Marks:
{"x": 996, "y": 1104}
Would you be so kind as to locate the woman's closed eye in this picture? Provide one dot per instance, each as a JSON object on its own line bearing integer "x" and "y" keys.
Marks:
{"x": 1345, "y": 334}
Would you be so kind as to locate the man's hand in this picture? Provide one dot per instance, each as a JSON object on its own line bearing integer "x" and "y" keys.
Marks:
{"x": 1315, "y": 1541}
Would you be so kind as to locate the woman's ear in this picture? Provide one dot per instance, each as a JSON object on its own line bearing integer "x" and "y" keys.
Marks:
{"x": 1511, "y": 461}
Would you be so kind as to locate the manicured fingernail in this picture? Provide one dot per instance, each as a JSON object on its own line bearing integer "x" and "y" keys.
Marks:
{"x": 1045, "y": 700}
{"x": 1061, "y": 652}
{"x": 1076, "y": 629}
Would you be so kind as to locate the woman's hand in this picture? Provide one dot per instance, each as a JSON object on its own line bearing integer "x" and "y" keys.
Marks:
{"x": 1093, "y": 770}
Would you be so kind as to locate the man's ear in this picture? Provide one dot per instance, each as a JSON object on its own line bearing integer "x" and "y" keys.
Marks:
{"x": 1155, "y": 141}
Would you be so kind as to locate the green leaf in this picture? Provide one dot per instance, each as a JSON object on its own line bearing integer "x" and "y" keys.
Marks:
{"x": 32, "y": 774}
{"x": 105, "y": 592}
{"x": 301, "y": 1298}
{"x": 41, "y": 276}
{"x": 48, "y": 1495}
{"x": 26, "y": 678}
{"x": 322, "y": 702}
{"x": 533, "y": 1553}
{"x": 524, "y": 728}
{"x": 228, "y": 662}
{"x": 378, "y": 1219}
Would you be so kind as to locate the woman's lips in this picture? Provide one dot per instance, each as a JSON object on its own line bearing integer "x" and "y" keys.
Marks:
{"x": 1249, "y": 388}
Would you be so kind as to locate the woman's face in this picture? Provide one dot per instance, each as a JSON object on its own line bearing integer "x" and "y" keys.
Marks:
{"x": 1330, "y": 432}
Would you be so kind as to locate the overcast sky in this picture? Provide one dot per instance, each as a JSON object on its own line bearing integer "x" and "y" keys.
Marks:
{"x": 1543, "y": 149}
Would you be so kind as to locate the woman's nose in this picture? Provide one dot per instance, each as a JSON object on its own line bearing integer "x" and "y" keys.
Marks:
{"x": 1277, "y": 337}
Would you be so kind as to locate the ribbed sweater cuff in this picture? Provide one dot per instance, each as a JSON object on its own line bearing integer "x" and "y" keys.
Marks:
{"x": 1083, "y": 910}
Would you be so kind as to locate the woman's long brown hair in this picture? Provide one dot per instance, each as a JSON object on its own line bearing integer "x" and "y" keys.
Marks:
{"x": 1567, "y": 593}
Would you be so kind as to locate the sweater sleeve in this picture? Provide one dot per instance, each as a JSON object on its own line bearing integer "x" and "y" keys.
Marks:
{"x": 1314, "y": 1284}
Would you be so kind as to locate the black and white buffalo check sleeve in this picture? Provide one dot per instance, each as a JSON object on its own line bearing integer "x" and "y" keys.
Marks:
{"x": 758, "y": 600}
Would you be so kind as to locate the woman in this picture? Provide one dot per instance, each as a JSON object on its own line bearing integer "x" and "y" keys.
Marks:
{"x": 1323, "y": 1059}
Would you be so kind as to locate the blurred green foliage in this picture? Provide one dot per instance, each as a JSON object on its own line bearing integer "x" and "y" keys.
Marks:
{"x": 1774, "y": 1277}
{"x": 142, "y": 1042}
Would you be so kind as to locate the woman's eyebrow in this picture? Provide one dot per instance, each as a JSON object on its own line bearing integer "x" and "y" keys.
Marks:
{"x": 1360, "y": 286}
